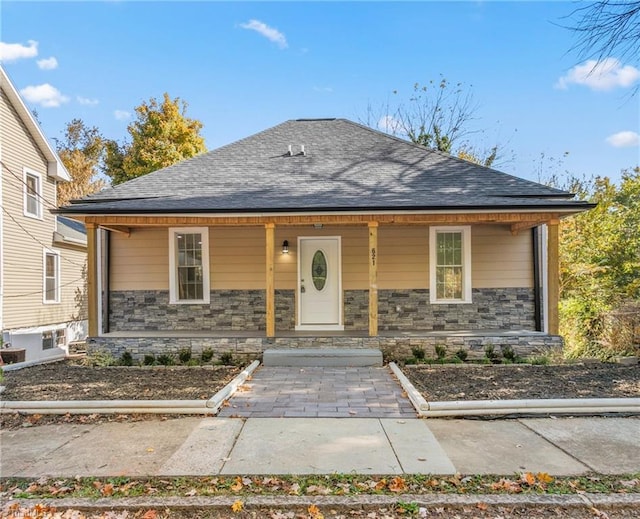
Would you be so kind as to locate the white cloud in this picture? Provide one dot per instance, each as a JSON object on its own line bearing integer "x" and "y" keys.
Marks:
{"x": 606, "y": 74}
{"x": 14, "y": 51}
{"x": 270, "y": 33}
{"x": 44, "y": 95}
{"x": 626, "y": 139}
{"x": 47, "y": 63}
{"x": 122, "y": 115}
{"x": 87, "y": 101}
{"x": 326, "y": 89}
{"x": 389, "y": 124}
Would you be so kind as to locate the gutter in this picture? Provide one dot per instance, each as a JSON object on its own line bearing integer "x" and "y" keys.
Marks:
{"x": 269, "y": 211}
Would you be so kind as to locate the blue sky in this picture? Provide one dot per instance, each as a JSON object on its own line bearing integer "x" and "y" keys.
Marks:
{"x": 246, "y": 66}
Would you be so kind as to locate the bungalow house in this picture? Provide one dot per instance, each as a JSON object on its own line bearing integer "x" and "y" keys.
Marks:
{"x": 323, "y": 233}
{"x": 42, "y": 257}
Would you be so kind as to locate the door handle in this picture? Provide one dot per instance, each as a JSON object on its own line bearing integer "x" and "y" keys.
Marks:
{"x": 302, "y": 290}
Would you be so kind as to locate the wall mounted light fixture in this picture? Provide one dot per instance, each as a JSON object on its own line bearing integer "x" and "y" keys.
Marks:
{"x": 285, "y": 247}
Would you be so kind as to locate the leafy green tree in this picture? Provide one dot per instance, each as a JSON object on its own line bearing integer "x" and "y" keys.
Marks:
{"x": 600, "y": 268}
{"x": 81, "y": 151}
{"x": 161, "y": 135}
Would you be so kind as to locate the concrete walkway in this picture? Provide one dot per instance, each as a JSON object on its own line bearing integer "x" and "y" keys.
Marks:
{"x": 276, "y": 392}
{"x": 207, "y": 446}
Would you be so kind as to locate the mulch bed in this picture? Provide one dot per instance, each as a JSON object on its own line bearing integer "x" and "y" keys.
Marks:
{"x": 514, "y": 382}
{"x": 65, "y": 381}
{"x": 69, "y": 381}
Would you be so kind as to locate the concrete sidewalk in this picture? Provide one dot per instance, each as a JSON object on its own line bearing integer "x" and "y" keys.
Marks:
{"x": 206, "y": 446}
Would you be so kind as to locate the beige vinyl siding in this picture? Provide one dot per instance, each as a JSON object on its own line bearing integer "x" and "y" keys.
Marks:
{"x": 499, "y": 259}
{"x": 403, "y": 257}
{"x": 24, "y": 238}
{"x": 237, "y": 257}
{"x": 140, "y": 261}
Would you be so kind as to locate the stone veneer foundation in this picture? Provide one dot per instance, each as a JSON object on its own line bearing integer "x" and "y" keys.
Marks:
{"x": 392, "y": 347}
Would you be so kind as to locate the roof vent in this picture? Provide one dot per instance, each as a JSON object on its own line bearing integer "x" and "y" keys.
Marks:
{"x": 302, "y": 152}
{"x": 290, "y": 152}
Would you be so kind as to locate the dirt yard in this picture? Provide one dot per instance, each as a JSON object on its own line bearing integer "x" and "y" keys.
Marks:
{"x": 510, "y": 382}
{"x": 66, "y": 381}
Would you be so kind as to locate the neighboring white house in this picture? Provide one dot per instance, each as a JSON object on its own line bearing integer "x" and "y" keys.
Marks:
{"x": 42, "y": 257}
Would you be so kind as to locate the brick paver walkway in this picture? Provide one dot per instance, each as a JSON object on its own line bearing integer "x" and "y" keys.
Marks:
{"x": 320, "y": 392}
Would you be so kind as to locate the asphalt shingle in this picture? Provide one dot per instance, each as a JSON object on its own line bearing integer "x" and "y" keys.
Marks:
{"x": 344, "y": 166}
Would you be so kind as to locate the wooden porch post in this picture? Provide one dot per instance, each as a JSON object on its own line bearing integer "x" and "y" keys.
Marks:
{"x": 271, "y": 295}
{"x": 553, "y": 276}
{"x": 92, "y": 279}
{"x": 373, "y": 279}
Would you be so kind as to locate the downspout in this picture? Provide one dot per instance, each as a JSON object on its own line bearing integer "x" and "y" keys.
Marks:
{"x": 106, "y": 278}
{"x": 537, "y": 293}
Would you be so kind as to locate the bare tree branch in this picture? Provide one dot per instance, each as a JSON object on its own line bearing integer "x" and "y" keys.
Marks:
{"x": 608, "y": 28}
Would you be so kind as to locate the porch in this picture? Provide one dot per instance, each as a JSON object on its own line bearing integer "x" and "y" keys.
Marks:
{"x": 392, "y": 344}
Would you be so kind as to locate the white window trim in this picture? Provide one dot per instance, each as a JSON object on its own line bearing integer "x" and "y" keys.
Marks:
{"x": 173, "y": 265}
{"x": 466, "y": 264}
{"x": 44, "y": 277}
{"x": 39, "y": 194}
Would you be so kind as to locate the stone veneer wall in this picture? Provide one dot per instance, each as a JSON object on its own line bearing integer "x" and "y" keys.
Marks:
{"x": 490, "y": 309}
{"x": 401, "y": 310}
{"x": 238, "y": 310}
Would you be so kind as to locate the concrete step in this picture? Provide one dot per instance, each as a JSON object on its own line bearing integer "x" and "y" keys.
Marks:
{"x": 322, "y": 357}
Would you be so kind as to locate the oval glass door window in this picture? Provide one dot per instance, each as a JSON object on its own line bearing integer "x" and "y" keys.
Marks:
{"x": 319, "y": 270}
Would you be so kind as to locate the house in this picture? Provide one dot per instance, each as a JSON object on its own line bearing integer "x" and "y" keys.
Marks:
{"x": 323, "y": 233}
{"x": 42, "y": 257}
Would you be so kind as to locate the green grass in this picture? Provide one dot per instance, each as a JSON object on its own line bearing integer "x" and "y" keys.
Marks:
{"x": 335, "y": 484}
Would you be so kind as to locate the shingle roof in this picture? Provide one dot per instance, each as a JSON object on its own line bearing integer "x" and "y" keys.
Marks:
{"x": 345, "y": 167}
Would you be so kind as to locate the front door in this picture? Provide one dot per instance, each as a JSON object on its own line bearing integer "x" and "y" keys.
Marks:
{"x": 319, "y": 284}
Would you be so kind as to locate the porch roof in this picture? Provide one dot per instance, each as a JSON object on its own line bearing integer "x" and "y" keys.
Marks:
{"x": 332, "y": 165}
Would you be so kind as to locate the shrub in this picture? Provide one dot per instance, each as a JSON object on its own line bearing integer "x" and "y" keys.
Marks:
{"x": 441, "y": 351}
{"x": 490, "y": 353}
{"x": 462, "y": 354}
{"x": 149, "y": 359}
{"x": 226, "y": 359}
{"x": 192, "y": 362}
{"x": 166, "y": 360}
{"x": 539, "y": 360}
{"x": 126, "y": 359}
{"x": 508, "y": 353}
{"x": 100, "y": 358}
{"x": 184, "y": 355}
{"x": 206, "y": 355}
{"x": 418, "y": 353}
